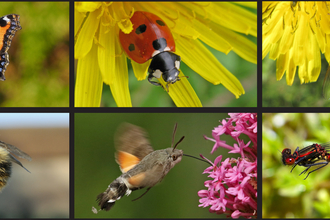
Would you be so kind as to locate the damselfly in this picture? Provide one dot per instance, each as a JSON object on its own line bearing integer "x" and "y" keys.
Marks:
{"x": 310, "y": 156}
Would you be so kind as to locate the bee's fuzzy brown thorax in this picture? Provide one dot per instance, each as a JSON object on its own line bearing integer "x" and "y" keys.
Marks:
{"x": 5, "y": 167}
{"x": 6, "y": 160}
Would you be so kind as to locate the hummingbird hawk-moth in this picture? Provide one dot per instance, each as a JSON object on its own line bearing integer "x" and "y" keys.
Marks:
{"x": 6, "y": 159}
{"x": 142, "y": 167}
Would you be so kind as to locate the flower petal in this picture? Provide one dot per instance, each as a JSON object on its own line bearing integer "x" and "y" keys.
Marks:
{"x": 86, "y": 36}
{"x": 202, "y": 61}
{"x": 87, "y": 6}
{"x": 241, "y": 45}
{"x": 89, "y": 81}
{"x": 212, "y": 37}
{"x": 231, "y": 17}
{"x": 106, "y": 53}
{"x": 78, "y": 20}
{"x": 140, "y": 70}
{"x": 291, "y": 70}
{"x": 182, "y": 93}
{"x": 119, "y": 87}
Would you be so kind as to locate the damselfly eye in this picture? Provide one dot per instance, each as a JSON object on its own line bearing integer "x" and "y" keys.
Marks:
{"x": 289, "y": 161}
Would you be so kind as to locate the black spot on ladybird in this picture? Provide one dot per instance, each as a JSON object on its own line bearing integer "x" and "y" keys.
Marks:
{"x": 131, "y": 47}
{"x": 159, "y": 44}
{"x": 141, "y": 29}
{"x": 160, "y": 22}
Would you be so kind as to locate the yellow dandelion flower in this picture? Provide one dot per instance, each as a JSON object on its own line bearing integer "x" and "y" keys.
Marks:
{"x": 294, "y": 33}
{"x": 102, "y": 59}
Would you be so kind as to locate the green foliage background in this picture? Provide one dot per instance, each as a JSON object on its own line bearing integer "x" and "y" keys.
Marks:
{"x": 279, "y": 94}
{"x": 285, "y": 194}
{"x": 38, "y": 73}
{"x": 176, "y": 196}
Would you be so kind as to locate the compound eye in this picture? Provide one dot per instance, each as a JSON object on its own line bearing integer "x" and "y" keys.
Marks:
{"x": 286, "y": 151}
{"x": 289, "y": 161}
{"x": 174, "y": 157}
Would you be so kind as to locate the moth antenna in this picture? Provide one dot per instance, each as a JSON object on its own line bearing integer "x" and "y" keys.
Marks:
{"x": 173, "y": 135}
{"x": 178, "y": 143}
{"x": 142, "y": 194}
{"x": 198, "y": 159}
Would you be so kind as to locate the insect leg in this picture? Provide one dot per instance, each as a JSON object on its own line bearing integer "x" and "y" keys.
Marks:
{"x": 293, "y": 167}
{"x": 142, "y": 194}
{"x": 315, "y": 164}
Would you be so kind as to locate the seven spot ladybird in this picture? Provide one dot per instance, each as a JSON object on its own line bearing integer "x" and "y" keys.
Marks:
{"x": 152, "y": 39}
{"x": 9, "y": 24}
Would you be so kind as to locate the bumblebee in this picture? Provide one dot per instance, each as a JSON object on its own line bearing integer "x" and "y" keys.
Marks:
{"x": 6, "y": 159}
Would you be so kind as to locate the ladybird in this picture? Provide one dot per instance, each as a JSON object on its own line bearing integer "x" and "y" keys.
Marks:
{"x": 152, "y": 39}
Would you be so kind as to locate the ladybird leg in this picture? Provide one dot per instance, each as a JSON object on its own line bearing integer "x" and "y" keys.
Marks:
{"x": 154, "y": 74}
{"x": 153, "y": 82}
{"x": 167, "y": 85}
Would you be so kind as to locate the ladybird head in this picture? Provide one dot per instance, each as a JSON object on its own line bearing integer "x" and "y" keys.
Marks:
{"x": 171, "y": 76}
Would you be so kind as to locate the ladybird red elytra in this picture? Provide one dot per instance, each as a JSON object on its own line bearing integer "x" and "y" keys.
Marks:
{"x": 152, "y": 39}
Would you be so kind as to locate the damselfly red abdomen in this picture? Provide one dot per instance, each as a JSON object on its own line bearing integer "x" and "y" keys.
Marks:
{"x": 312, "y": 155}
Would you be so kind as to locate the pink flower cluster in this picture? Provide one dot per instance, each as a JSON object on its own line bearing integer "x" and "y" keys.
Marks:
{"x": 233, "y": 188}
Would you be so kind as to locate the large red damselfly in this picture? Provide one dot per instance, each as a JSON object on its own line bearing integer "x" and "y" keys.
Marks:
{"x": 309, "y": 156}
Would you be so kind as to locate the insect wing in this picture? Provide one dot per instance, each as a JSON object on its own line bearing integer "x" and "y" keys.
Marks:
{"x": 132, "y": 145}
{"x": 312, "y": 150}
{"x": 326, "y": 146}
{"x": 12, "y": 149}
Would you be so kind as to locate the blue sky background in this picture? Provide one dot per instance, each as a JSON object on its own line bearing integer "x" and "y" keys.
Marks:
{"x": 24, "y": 120}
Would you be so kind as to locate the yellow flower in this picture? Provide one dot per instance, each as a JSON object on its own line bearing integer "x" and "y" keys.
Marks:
{"x": 294, "y": 33}
{"x": 101, "y": 58}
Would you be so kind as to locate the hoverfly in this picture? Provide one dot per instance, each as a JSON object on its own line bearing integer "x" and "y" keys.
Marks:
{"x": 6, "y": 159}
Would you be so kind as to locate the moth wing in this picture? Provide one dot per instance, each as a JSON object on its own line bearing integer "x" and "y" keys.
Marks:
{"x": 132, "y": 145}
{"x": 126, "y": 160}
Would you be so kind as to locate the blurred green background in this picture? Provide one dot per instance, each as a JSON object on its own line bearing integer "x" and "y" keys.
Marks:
{"x": 285, "y": 194}
{"x": 279, "y": 94}
{"x": 38, "y": 73}
{"x": 176, "y": 196}
{"x": 143, "y": 94}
